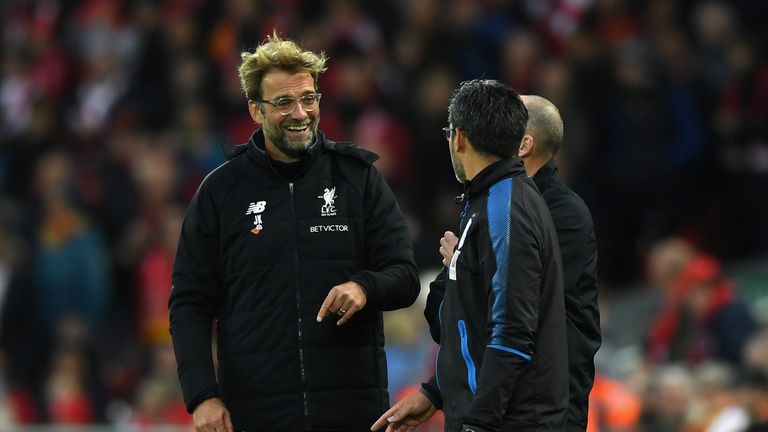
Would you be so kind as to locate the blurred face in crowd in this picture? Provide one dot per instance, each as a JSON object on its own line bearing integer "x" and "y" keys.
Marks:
{"x": 287, "y": 133}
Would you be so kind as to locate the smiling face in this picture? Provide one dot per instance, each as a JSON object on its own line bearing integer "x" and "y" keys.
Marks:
{"x": 286, "y": 136}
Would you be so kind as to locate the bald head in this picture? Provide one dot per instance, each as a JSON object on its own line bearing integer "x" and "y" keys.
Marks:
{"x": 545, "y": 126}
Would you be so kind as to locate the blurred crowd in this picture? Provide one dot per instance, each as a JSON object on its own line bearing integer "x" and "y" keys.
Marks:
{"x": 112, "y": 112}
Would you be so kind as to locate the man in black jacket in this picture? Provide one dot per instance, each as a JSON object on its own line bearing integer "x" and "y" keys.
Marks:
{"x": 293, "y": 247}
{"x": 576, "y": 236}
{"x": 502, "y": 363}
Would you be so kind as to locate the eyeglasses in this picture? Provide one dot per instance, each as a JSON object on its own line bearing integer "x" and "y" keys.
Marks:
{"x": 286, "y": 105}
{"x": 448, "y": 132}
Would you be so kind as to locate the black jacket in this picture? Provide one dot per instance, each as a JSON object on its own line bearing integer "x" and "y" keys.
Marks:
{"x": 576, "y": 236}
{"x": 502, "y": 363}
{"x": 259, "y": 253}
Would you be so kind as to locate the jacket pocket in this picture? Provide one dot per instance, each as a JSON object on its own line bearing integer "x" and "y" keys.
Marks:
{"x": 471, "y": 376}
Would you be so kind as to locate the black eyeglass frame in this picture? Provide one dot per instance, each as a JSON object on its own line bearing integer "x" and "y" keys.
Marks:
{"x": 275, "y": 103}
{"x": 448, "y": 132}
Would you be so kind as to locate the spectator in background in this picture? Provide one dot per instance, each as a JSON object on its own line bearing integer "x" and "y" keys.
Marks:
{"x": 154, "y": 277}
{"x": 68, "y": 400}
{"x": 664, "y": 261}
{"x": 719, "y": 407}
{"x": 756, "y": 351}
{"x": 295, "y": 246}
{"x": 667, "y": 400}
{"x": 70, "y": 260}
{"x": 158, "y": 398}
{"x": 613, "y": 406}
{"x": 703, "y": 318}
{"x": 756, "y": 400}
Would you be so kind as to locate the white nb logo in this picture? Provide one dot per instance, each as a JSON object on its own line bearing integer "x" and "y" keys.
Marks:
{"x": 256, "y": 207}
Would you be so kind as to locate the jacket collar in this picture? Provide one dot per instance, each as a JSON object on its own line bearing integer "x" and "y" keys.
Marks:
{"x": 258, "y": 153}
{"x": 546, "y": 175}
{"x": 491, "y": 175}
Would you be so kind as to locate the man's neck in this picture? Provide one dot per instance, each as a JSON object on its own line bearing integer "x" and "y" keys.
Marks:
{"x": 533, "y": 165}
{"x": 474, "y": 165}
{"x": 276, "y": 154}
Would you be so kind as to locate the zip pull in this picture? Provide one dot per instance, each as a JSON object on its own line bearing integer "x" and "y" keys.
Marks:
{"x": 290, "y": 187}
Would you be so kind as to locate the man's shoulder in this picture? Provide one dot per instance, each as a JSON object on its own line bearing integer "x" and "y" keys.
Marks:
{"x": 567, "y": 208}
{"x": 530, "y": 199}
{"x": 561, "y": 195}
{"x": 225, "y": 174}
{"x": 347, "y": 151}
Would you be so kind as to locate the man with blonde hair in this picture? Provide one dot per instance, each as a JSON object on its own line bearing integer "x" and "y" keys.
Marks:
{"x": 294, "y": 247}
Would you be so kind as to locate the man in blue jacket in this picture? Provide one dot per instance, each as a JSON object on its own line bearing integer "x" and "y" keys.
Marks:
{"x": 502, "y": 363}
{"x": 576, "y": 237}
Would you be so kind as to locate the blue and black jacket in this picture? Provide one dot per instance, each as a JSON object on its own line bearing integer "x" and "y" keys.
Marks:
{"x": 503, "y": 360}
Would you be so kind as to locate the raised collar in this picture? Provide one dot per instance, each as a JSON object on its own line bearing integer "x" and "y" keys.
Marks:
{"x": 491, "y": 175}
{"x": 258, "y": 154}
{"x": 256, "y": 144}
{"x": 546, "y": 175}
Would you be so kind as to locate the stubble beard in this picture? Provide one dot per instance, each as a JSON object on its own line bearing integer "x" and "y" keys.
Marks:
{"x": 458, "y": 168}
{"x": 291, "y": 147}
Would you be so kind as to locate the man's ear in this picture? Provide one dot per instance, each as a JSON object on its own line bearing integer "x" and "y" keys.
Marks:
{"x": 255, "y": 111}
{"x": 526, "y": 146}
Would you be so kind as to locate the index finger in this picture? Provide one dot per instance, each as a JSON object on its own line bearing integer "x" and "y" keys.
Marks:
{"x": 382, "y": 421}
{"x": 325, "y": 307}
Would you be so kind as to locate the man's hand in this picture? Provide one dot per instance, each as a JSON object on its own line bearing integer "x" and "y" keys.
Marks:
{"x": 344, "y": 300}
{"x": 406, "y": 415}
{"x": 447, "y": 245}
{"x": 212, "y": 416}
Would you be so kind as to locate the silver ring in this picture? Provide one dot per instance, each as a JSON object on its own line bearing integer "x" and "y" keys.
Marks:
{"x": 341, "y": 311}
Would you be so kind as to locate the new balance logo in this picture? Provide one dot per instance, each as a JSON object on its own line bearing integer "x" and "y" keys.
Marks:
{"x": 256, "y": 209}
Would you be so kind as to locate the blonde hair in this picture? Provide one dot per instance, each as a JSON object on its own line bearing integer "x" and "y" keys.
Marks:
{"x": 276, "y": 53}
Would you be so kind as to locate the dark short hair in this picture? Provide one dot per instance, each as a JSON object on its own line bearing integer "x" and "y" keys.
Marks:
{"x": 491, "y": 115}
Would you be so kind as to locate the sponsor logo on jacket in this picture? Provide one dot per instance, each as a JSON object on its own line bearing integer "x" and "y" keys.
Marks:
{"x": 328, "y": 228}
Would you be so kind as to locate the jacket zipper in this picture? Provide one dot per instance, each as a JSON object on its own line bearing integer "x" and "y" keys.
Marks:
{"x": 298, "y": 306}
{"x": 471, "y": 378}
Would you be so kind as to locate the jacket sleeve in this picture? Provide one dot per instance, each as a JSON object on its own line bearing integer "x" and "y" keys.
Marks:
{"x": 431, "y": 390}
{"x": 576, "y": 235}
{"x": 512, "y": 263}
{"x": 194, "y": 299}
{"x": 390, "y": 279}
{"x": 434, "y": 300}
